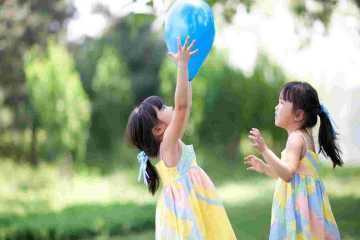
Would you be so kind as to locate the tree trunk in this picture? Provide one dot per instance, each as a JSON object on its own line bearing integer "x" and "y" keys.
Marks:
{"x": 33, "y": 154}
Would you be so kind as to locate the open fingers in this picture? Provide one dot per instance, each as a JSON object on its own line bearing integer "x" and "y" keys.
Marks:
{"x": 251, "y": 168}
{"x": 186, "y": 42}
{"x": 253, "y": 138}
{"x": 191, "y": 45}
{"x": 179, "y": 43}
{"x": 249, "y": 157}
{"x": 194, "y": 52}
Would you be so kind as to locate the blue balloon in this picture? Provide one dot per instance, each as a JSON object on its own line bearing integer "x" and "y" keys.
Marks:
{"x": 195, "y": 19}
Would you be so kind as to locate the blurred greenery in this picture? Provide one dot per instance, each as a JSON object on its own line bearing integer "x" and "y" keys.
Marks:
{"x": 65, "y": 169}
{"x": 58, "y": 102}
{"x": 78, "y": 222}
{"x": 23, "y": 25}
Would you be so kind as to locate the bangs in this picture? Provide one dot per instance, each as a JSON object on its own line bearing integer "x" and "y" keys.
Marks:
{"x": 294, "y": 92}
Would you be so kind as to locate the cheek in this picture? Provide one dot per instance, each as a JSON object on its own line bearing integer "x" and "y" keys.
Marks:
{"x": 169, "y": 116}
{"x": 282, "y": 114}
{"x": 161, "y": 116}
{"x": 280, "y": 111}
{"x": 166, "y": 117}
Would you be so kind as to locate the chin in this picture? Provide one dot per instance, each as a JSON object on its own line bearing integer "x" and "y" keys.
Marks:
{"x": 277, "y": 124}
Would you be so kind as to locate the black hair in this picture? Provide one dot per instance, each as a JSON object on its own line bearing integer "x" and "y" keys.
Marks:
{"x": 141, "y": 122}
{"x": 303, "y": 96}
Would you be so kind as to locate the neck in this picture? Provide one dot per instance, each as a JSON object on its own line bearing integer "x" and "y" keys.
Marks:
{"x": 291, "y": 129}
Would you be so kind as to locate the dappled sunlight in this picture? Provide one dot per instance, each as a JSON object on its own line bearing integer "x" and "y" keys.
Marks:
{"x": 342, "y": 187}
{"x": 118, "y": 187}
{"x": 244, "y": 192}
{"x": 48, "y": 188}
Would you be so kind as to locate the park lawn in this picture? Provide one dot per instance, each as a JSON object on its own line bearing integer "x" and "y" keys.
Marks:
{"x": 40, "y": 204}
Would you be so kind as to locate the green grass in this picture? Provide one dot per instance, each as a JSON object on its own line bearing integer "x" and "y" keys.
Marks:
{"x": 79, "y": 222}
{"x": 48, "y": 203}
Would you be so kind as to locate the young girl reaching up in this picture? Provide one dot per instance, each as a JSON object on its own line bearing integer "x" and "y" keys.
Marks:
{"x": 188, "y": 206}
{"x": 301, "y": 208}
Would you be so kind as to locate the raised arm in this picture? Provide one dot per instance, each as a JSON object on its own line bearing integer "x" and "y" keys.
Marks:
{"x": 183, "y": 96}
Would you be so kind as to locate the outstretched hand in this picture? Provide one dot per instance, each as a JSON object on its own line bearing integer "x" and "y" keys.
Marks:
{"x": 184, "y": 52}
{"x": 257, "y": 140}
{"x": 255, "y": 164}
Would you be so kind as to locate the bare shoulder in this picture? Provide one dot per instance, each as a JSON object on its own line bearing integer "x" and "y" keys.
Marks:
{"x": 295, "y": 140}
{"x": 296, "y": 145}
{"x": 170, "y": 155}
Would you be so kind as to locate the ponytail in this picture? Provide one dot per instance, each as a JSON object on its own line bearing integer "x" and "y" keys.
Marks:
{"x": 148, "y": 172}
{"x": 328, "y": 137}
{"x": 152, "y": 178}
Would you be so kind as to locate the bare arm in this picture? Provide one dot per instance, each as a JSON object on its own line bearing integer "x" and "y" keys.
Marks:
{"x": 183, "y": 98}
{"x": 269, "y": 171}
{"x": 284, "y": 169}
{"x": 258, "y": 165}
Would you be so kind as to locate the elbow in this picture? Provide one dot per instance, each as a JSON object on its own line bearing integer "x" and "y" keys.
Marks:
{"x": 288, "y": 178}
{"x": 182, "y": 107}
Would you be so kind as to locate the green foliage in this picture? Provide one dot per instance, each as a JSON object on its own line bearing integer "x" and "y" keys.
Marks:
{"x": 141, "y": 49}
{"x": 23, "y": 24}
{"x": 234, "y": 103}
{"x": 79, "y": 222}
{"x": 86, "y": 58}
{"x": 112, "y": 99}
{"x": 58, "y": 100}
{"x": 118, "y": 70}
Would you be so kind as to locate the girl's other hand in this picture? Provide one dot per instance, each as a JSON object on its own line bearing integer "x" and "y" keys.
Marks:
{"x": 255, "y": 164}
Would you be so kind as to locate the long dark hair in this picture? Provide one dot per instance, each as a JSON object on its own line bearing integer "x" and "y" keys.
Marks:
{"x": 304, "y": 97}
{"x": 141, "y": 122}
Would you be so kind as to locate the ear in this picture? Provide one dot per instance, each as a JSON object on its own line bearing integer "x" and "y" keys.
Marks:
{"x": 158, "y": 130}
{"x": 299, "y": 115}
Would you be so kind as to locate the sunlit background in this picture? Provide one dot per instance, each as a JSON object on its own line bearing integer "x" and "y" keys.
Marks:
{"x": 71, "y": 71}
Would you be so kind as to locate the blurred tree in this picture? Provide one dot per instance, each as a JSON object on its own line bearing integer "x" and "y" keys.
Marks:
{"x": 59, "y": 105}
{"x": 87, "y": 55}
{"x": 308, "y": 11}
{"x": 142, "y": 50}
{"x": 301, "y": 8}
{"x": 23, "y": 24}
{"x": 138, "y": 45}
{"x": 112, "y": 100}
{"x": 118, "y": 70}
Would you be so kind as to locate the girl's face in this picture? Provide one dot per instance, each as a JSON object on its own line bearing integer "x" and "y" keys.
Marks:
{"x": 284, "y": 116}
{"x": 164, "y": 116}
